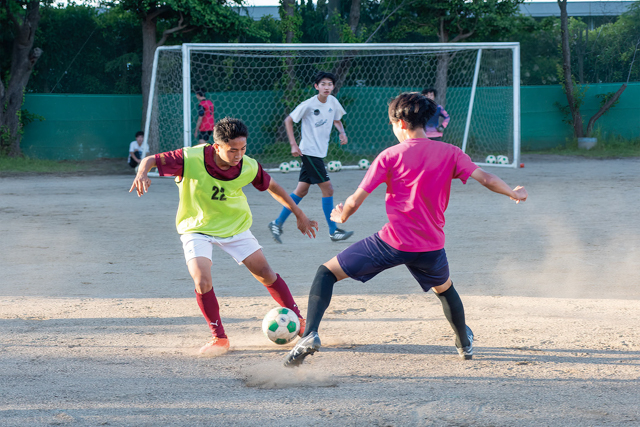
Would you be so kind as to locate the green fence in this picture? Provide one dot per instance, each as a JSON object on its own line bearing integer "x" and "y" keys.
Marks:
{"x": 85, "y": 127}
{"x": 541, "y": 121}
{"x": 81, "y": 127}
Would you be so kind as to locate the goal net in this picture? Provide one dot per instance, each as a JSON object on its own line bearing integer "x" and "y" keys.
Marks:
{"x": 478, "y": 86}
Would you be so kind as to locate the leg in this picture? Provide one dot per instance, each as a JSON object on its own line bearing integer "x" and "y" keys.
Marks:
{"x": 276, "y": 226}
{"x": 260, "y": 269}
{"x": 321, "y": 291}
{"x": 336, "y": 233}
{"x": 454, "y": 312}
{"x": 197, "y": 249}
{"x": 319, "y": 298}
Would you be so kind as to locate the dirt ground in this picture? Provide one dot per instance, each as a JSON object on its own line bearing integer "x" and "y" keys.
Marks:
{"x": 99, "y": 325}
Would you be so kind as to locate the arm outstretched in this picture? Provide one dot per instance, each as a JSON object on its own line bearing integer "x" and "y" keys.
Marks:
{"x": 497, "y": 185}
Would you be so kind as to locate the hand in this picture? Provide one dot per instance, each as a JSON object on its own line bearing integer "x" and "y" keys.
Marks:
{"x": 520, "y": 194}
{"x": 306, "y": 226}
{"x": 336, "y": 213}
{"x": 295, "y": 151}
{"x": 440, "y": 128}
{"x": 343, "y": 138}
{"x": 141, "y": 183}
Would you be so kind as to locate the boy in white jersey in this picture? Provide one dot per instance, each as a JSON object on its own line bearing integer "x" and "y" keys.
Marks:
{"x": 318, "y": 115}
{"x": 213, "y": 211}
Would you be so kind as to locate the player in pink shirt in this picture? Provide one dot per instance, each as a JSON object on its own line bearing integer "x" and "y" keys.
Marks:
{"x": 418, "y": 174}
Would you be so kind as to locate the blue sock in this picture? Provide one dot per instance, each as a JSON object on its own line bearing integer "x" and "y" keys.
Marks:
{"x": 327, "y": 207}
{"x": 286, "y": 212}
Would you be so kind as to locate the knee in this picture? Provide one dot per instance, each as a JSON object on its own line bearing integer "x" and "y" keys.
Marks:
{"x": 266, "y": 276}
{"x": 301, "y": 192}
{"x": 203, "y": 285}
{"x": 327, "y": 191}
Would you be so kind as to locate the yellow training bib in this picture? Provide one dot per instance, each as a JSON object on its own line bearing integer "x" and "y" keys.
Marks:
{"x": 209, "y": 205}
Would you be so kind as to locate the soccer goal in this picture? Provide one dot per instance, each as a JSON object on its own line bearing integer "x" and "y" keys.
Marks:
{"x": 478, "y": 85}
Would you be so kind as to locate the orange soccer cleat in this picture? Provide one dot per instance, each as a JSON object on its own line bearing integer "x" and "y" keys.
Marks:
{"x": 303, "y": 324}
{"x": 215, "y": 347}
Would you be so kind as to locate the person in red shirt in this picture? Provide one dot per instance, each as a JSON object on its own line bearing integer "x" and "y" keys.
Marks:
{"x": 206, "y": 122}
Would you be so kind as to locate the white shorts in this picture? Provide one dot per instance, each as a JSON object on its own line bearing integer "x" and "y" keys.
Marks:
{"x": 239, "y": 246}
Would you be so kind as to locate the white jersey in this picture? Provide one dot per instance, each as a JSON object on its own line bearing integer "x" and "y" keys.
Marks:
{"x": 317, "y": 119}
{"x": 133, "y": 147}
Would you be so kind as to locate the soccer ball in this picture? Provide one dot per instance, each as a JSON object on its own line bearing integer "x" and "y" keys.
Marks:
{"x": 284, "y": 167}
{"x": 491, "y": 159}
{"x": 364, "y": 164}
{"x": 281, "y": 325}
{"x": 335, "y": 166}
{"x": 294, "y": 164}
{"x": 503, "y": 160}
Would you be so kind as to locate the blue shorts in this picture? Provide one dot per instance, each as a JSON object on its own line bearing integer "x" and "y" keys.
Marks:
{"x": 365, "y": 259}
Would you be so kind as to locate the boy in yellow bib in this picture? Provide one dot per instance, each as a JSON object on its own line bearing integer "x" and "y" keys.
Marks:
{"x": 213, "y": 211}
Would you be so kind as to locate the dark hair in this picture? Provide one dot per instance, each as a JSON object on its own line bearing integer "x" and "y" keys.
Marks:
{"x": 324, "y": 75}
{"x": 139, "y": 133}
{"x": 228, "y": 129}
{"x": 413, "y": 108}
{"x": 430, "y": 90}
{"x": 199, "y": 92}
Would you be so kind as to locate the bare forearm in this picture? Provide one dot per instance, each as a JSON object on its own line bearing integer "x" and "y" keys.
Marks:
{"x": 282, "y": 197}
{"x": 147, "y": 164}
{"x": 288, "y": 125}
{"x": 497, "y": 185}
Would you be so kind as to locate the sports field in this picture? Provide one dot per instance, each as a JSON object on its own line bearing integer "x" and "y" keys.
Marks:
{"x": 100, "y": 326}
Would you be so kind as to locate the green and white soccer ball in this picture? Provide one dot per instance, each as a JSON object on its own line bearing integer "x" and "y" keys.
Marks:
{"x": 281, "y": 325}
{"x": 503, "y": 160}
{"x": 364, "y": 164}
{"x": 294, "y": 164}
{"x": 284, "y": 167}
{"x": 491, "y": 159}
{"x": 335, "y": 166}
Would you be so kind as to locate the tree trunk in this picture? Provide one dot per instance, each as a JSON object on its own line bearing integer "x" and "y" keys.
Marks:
{"x": 23, "y": 59}
{"x": 149, "y": 45}
{"x": 341, "y": 70}
{"x": 288, "y": 8}
{"x": 576, "y": 117}
{"x": 442, "y": 73}
{"x": 332, "y": 21}
{"x": 354, "y": 16}
{"x": 604, "y": 108}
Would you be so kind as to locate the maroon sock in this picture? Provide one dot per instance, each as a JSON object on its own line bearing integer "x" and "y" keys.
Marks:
{"x": 208, "y": 304}
{"x": 281, "y": 293}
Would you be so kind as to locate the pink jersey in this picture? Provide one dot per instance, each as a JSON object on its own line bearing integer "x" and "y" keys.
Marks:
{"x": 418, "y": 174}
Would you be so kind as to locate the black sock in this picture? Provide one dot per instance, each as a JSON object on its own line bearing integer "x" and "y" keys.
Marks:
{"x": 319, "y": 298}
{"x": 454, "y": 312}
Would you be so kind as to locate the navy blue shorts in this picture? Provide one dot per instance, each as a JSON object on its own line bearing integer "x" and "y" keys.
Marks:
{"x": 365, "y": 259}
{"x": 313, "y": 170}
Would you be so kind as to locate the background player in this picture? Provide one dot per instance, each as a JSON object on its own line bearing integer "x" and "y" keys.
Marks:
{"x": 206, "y": 122}
{"x": 434, "y": 128}
{"x": 213, "y": 211}
{"x": 418, "y": 174}
{"x": 318, "y": 114}
{"x": 137, "y": 150}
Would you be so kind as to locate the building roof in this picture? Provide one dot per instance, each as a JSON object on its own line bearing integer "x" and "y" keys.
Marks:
{"x": 575, "y": 8}
{"x": 535, "y": 9}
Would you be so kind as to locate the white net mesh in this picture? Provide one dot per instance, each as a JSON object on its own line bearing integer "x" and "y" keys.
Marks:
{"x": 262, "y": 86}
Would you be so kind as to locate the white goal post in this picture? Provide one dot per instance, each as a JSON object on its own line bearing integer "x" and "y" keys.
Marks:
{"x": 478, "y": 86}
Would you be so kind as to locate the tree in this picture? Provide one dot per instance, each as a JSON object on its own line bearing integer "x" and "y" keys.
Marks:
{"x": 23, "y": 18}
{"x": 452, "y": 21}
{"x": 176, "y": 17}
{"x": 575, "y": 93}
{"x": 101, "y": 55}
